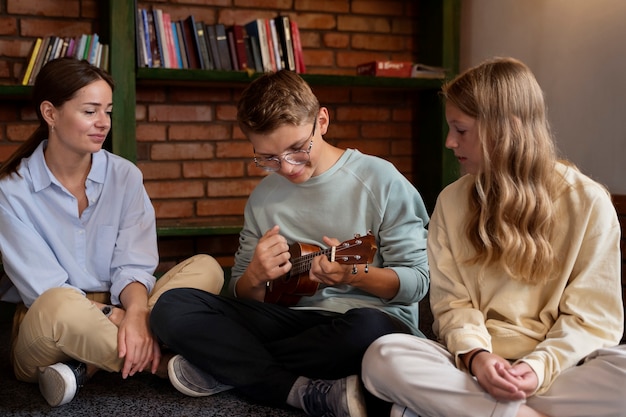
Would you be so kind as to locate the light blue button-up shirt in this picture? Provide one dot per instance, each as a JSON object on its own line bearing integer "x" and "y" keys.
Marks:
{"x": 46, "y": 244}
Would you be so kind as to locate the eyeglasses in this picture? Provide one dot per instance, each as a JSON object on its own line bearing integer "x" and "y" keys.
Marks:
{"x": 300, "y": 157}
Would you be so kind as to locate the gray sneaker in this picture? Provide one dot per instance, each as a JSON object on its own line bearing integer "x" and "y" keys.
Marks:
{"x": 60, "y": 382}
{"x": 191, "y": 380}
{"x": 401, "y": 411}
{"x": 339, "y": 398}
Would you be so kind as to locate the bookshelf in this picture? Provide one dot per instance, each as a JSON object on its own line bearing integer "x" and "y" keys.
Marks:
{"x": 437, "y": 39}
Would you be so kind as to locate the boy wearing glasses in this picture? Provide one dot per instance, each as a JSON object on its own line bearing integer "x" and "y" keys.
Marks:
{"x": 307, "y": 355}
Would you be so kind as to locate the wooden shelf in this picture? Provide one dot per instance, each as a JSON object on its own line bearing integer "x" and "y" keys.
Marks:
{"x": 237, "y": 78}
{"x": 21, "y": 92}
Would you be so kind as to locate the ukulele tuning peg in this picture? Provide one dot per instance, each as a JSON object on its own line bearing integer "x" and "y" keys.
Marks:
{"x": 367, "y": 268}
{"x": 354, "y": 270}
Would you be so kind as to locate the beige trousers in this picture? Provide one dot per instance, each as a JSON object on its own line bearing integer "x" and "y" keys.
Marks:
{"x": 421, "y": 375}
{"x": 63, "y": 324}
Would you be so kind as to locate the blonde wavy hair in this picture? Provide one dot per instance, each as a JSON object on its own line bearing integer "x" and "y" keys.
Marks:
{"x": 511, "y": 215}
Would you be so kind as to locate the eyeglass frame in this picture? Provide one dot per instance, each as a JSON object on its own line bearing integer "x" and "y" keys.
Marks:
{"x": 279, "y": 158}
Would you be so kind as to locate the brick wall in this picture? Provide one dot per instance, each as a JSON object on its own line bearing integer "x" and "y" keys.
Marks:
{"x": 196, "y": 163}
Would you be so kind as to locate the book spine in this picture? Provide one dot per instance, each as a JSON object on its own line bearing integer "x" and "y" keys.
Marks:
{"x": 298, "y": 55}
{"x": 146, "y": 35}
{"x": 256, "y": 30}
{"x": 169, "y": 40}
{"x": 31, "y": 61}
{"x": 233, "y": 50}
{"x": 160, "y": 38}
{"x": 155, "y": 49}
{"x": 95, "y": 40}
{"x": 270, "y": 45}
{"x": 283, "y": 27}
{"x": 211, "y": 37}
{"x": 204, "y": 50}
{"x": 177, "y": 28}
{"x": 278, "y": 51}
{"x": 222, "y": 47}
{"x": 240, "y": 35}
{"x": 191, "y": 43}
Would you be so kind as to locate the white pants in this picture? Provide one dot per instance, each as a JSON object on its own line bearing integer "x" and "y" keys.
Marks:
{"x": 421, "y": 375}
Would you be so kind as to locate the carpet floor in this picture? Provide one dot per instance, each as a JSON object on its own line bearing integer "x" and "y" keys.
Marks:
{"x": 108, "y": 395}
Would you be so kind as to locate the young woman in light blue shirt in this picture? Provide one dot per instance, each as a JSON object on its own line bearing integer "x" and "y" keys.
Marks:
{"x": 78, "y": 242}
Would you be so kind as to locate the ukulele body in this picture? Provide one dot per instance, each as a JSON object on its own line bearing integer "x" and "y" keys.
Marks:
{"x": 288, "y": 289}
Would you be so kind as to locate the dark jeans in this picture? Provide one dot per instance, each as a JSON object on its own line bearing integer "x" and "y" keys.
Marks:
{"x": 262, "y": 348}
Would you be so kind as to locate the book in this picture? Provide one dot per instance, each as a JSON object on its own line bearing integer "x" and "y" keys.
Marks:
{"x": 256, "y": 30}
{"x": 146, "y": 34}
{"x": 155, "y": 50}
{"x": 298, "y": 55}
{"x": 211, "y": 38}
{"x": 385, "y": 68}
{"x": 203, "y": 47}
{"x": 255, "y": 53}
{"x": 427, "y": 71}
{"x": 45, "y": 45}
{"x": 159, "y": 30}
{"x": 140, "y": 41}
{"x": 222, "y": 47}
{"x": 233, "y": 49}
{"x": 169, "y": 40}
{"x": 270, "y": 45}
{"x": 278, "y": 51}
{"x": 31, "y": 61}
{"x": 93, "y": 48}
{"x": 177, "y": 28}
{"x": 283, "y": 27}
{"x": 191, "y": 44}
{"x": 239, "y": 36}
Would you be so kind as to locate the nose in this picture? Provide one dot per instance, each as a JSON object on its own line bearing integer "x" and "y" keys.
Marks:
{"x": 451, "y": 143}
{"x": 104, "y": 120}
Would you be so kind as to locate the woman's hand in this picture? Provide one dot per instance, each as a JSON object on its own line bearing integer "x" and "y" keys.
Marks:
{"x": 501, "y": 380}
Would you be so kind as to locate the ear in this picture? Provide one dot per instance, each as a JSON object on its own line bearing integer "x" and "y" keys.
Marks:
{"x": 323, "y": 119}
{"x": 48, "y": 111}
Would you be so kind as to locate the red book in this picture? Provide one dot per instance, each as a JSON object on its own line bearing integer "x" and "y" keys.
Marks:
{"x": 385, "y": 68}
{"x": 298, "y": 56}
{"x": 239, "y": 35}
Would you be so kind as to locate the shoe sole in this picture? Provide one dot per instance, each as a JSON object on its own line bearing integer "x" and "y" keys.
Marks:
{"x": 185, "y": 390}
{"x": 57, "y": 384}
{"x": 355, "y": 399}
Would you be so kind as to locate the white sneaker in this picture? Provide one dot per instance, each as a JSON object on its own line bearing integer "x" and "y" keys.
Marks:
{"x": 60, "y": 382}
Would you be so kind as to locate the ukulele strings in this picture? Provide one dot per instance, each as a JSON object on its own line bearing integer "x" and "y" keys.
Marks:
{"x": 303, "y": 263}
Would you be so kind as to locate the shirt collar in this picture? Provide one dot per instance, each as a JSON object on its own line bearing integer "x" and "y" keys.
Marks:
{"x": 42, "y": 177}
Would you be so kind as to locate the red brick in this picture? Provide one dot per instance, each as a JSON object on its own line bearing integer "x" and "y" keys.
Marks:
{"x": 234, "y": 150}
{"x": 231, "y": 188}
{"x": 66, "y": 8}
{"x": 173, "y": 113}
{"x": 379, "y": 8}
{"x": 199, "y": 95}
{"x": 404, "y": 164}
{"x": 353, "y": 23}
{"x": 340, "y": 130}
{"x": 141, "y": 113}
{"x": 15, "y": 48}
{"x": 310, "y": 39}
{"x": 58, "y": 27}
{"x": 352, "y": 59}
{"x": 386, "y": 130}
{"x": 174, "y": 189}
{"x": 316, "y": 21}
{"x": 319, "y": 58}
{"x": 213, "y": 169}
{"x": 265, "y": 4}
{"x": 173, "y": 209}
{"x": 330, "y": 6}
{"x": 402, "y": 147}
{"x": 217, "y": 207}
{"x": 336, "y": 40}
{"x": 372, "y": 147}
{"x": 6, "y": 151}
{"x": 199, "y": 132}
{"x": 226, "y": 112}
{"x": 173, "y": 247}
{"x": 151, "y": 132}
{"x": 150, "y": 95}
{"x": 20, "y": 132}
{"x": 388, "y": 43}
{"x": 402, "y": 115}
{"x": 363, "y": 113}
{"x": 8, "y": 26}
{"x": 160, "y": 170}
{"x": 181, "y": 151}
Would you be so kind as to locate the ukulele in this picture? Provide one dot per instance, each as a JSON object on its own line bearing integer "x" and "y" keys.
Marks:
{"x": 288, "y": 289}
